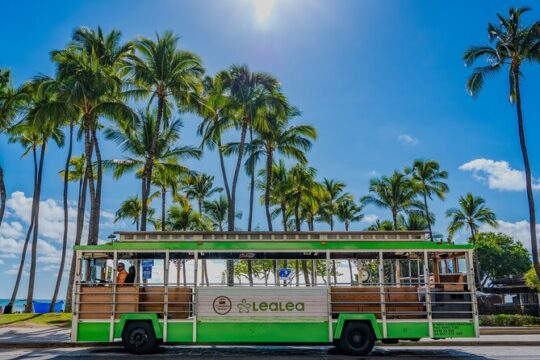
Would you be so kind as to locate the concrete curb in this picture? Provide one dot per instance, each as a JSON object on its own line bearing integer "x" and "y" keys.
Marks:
{"x": 58, "y": 345}
{"x": 510, "y": 330}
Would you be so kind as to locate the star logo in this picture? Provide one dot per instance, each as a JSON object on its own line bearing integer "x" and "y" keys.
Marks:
{"x": 243, "y": 306}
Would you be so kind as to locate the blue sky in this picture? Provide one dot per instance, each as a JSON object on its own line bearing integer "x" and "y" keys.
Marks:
{"x": 383, "y": 82}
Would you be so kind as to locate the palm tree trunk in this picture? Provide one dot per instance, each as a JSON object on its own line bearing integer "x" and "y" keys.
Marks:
{"x": 80, "y": 222}
{"x": 163, "y": 206}
{"x": 297, "y": 212}
{"x": 9, "y": 306}
{"x": 33, "y": 258}
{"x": 284, "y": 216}
{"x": 65, "y": 236}
{"x": 477, "y": 271}
{"x": 427, "y": 215}
{"x": 88, "y": 152}
{"x": 232, "y": 207}
{"x": 251, "y": 186}
{"x": 528, "y": 177}
{"x": 81, "y": 208}
{"x": 394, "y": 219}
{"x": 3, "y": 195}
{"x": 149, "y": 164}
{"x": 223, "y": 172}
{"x": 99, "y": 185}
{"x": 268, "y": 188}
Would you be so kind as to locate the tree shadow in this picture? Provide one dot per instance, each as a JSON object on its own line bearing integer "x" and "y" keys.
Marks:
{"x": 21, "y": 320}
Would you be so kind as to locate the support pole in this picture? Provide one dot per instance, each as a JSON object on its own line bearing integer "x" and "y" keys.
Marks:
{"x": 428, "y": 294}
{"x": 166, "y": 295}
{"x": 111, "y": 327}
{"x": 382, "y": 294}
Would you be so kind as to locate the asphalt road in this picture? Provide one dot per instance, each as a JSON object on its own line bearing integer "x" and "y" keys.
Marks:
{"x": 282, "y": 353}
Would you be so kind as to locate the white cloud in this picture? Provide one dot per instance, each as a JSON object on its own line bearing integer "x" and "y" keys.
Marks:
{"x": 405, "y": 139}
{"x": 498, "y": 174}
{"x": 370, "y": 218}
{"x": 518, "y": 230}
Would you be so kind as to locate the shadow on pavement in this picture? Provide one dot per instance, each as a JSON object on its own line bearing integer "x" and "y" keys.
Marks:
{"x": 251, "y": 352}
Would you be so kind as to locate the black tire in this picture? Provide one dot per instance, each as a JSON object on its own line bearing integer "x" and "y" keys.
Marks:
{"x": 357, "y": 339}
{"x": 139, "y": 338}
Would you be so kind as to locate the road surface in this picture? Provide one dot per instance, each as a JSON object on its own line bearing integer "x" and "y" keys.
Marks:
{"x": 282, "y": 353}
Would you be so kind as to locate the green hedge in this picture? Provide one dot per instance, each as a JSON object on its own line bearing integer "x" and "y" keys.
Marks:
{"x": 509, "y": 320}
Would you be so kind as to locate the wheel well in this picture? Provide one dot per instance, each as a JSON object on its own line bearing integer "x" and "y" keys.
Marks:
{"x": 368, "y": 319}
{"x": 128, "y": 322}
{"x": 367, "y": 322}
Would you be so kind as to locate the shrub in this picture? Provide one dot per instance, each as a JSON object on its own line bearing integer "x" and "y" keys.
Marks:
{"x": 509, "y": 320}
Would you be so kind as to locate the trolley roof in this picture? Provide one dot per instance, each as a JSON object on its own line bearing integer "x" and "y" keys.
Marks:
{"x": 274, "y": 241}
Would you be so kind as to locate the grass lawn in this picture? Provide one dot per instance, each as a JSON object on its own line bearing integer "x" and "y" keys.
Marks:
{"x": 55, "y": 319}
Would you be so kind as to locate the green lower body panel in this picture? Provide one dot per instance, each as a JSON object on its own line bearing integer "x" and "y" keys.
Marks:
{"x": 180, "y": 332}
{"x": 257, "y": 332}
{"x": 93, "y": 331}
{"x": 419, "y": 330}
{"x": 445, "y": 330}
{"x": 407, "y": 330}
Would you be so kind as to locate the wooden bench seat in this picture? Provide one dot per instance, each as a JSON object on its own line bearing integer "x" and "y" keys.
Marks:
{"x": 401, "y": 302}
{"x": 96, "y": 301}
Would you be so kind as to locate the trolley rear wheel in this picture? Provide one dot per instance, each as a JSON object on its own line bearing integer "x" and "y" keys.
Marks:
{"x": 357, "y": 339}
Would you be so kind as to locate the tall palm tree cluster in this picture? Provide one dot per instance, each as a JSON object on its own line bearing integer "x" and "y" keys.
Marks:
{"x": 131, "y": 93}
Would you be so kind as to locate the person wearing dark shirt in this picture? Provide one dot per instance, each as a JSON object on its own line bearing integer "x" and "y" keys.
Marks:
{"x": 130, "y": 278}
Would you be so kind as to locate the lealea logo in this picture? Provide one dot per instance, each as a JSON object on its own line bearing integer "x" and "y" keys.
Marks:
{"x": 222, "y": 305}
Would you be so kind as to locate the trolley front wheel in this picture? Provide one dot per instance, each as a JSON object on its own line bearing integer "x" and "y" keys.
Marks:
{"x": 139, "y": 338}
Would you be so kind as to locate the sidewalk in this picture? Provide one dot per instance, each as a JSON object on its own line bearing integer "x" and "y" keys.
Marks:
{"x": 38, "y": 337}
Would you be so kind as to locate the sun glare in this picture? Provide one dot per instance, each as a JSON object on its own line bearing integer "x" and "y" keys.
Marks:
{"x": 263, "y": 9}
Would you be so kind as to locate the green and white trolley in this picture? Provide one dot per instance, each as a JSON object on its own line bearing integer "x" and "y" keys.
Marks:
{"x": 349, "y": 289}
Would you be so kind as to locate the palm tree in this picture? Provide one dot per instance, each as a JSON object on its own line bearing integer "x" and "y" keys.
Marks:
{"x": 334, "y": 190}
{"x": 90, "y": 73}
{"x": 215, "y": 111}
{"x": 30, "y": 140}
{"x": 76, "y": 173}
{"x": 167, "y": 74}
{"x": 183, "y": 218}
{"x": 136, "y": 139}
{"x": 302, "y": 180}
{"x": 385, "y": 225}
{"x": 41, "y": 122}
{"x": 280, "y": 191}
{"x": 471, "y": 213}
{"x": 131, "y": 209}
{"x": 427, "y": 177}
{"x": 415, "y": 221}
{"x": 11, "y": 100}
{"x": 251, "y": 94}
{"x": 347, "y": 211}
{"x": 199, "y": 187}
{"x": 216, "y": 211}
{"x": 395, "y": 193}
{"x": 166, "y": 177}
{"x": 279, "y": 137}
{"x": 512, "y": 44}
